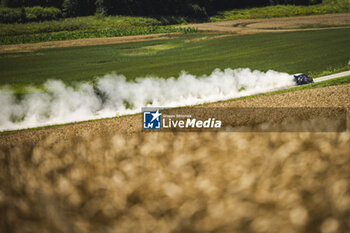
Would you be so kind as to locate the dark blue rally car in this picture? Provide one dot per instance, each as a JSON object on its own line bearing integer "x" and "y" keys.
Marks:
{"x": 302, "y": 79}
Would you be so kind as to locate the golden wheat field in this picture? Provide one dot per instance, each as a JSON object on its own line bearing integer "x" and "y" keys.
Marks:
{"x": 76, "y": 181}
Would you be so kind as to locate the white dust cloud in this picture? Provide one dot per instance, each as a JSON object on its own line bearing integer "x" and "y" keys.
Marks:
{"x": 112, "y": 94}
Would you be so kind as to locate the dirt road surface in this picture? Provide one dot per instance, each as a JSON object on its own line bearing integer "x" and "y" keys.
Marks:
{"x": 332, "y": 76}
{"x": 287, "y": 24}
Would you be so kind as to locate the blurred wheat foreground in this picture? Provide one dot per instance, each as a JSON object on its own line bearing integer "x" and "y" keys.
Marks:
{"x": 76, "y": 178}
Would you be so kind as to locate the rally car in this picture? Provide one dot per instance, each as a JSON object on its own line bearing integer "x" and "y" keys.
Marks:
{"x": 302, "y": 79}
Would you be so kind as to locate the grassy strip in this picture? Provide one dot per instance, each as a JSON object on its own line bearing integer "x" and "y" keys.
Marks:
{"x": 310, "y": 26}
{"x": 108, "y": 32}
{"x": 331, "y": 82}
{"x": 282, "y": 11}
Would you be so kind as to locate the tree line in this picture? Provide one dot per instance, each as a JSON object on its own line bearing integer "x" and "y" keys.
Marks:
{"x": 190, "y": 8}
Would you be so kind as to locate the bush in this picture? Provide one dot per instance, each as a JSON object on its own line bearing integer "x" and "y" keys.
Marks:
{"x": 28, "y": 14}
{"x": 295, "y": 2}
{"x": 73, "y": 8}
{"x": 196, "y": 12}
{"x": 38, "y": 13}
{"x": 9, "y": 15}
{"x": 89, "y": 23}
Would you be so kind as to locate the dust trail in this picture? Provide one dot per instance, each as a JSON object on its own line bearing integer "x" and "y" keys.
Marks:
{"x": 113, "y": 94}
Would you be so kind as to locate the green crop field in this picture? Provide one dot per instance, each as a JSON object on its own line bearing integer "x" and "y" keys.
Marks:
{"x": 111, "y": 26}
{"x": 87, "y": 23}
{"x": 74, "y": 35}
{"x": 292, "y": 52}
{"x": 85, "y": 27}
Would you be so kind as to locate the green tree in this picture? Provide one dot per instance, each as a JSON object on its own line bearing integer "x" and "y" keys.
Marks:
{"x": 72, "y": 8}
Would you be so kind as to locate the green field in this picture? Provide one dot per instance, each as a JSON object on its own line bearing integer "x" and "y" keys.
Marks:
{"x": 292, "y": 52}
{"x": 283, "y": 11}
